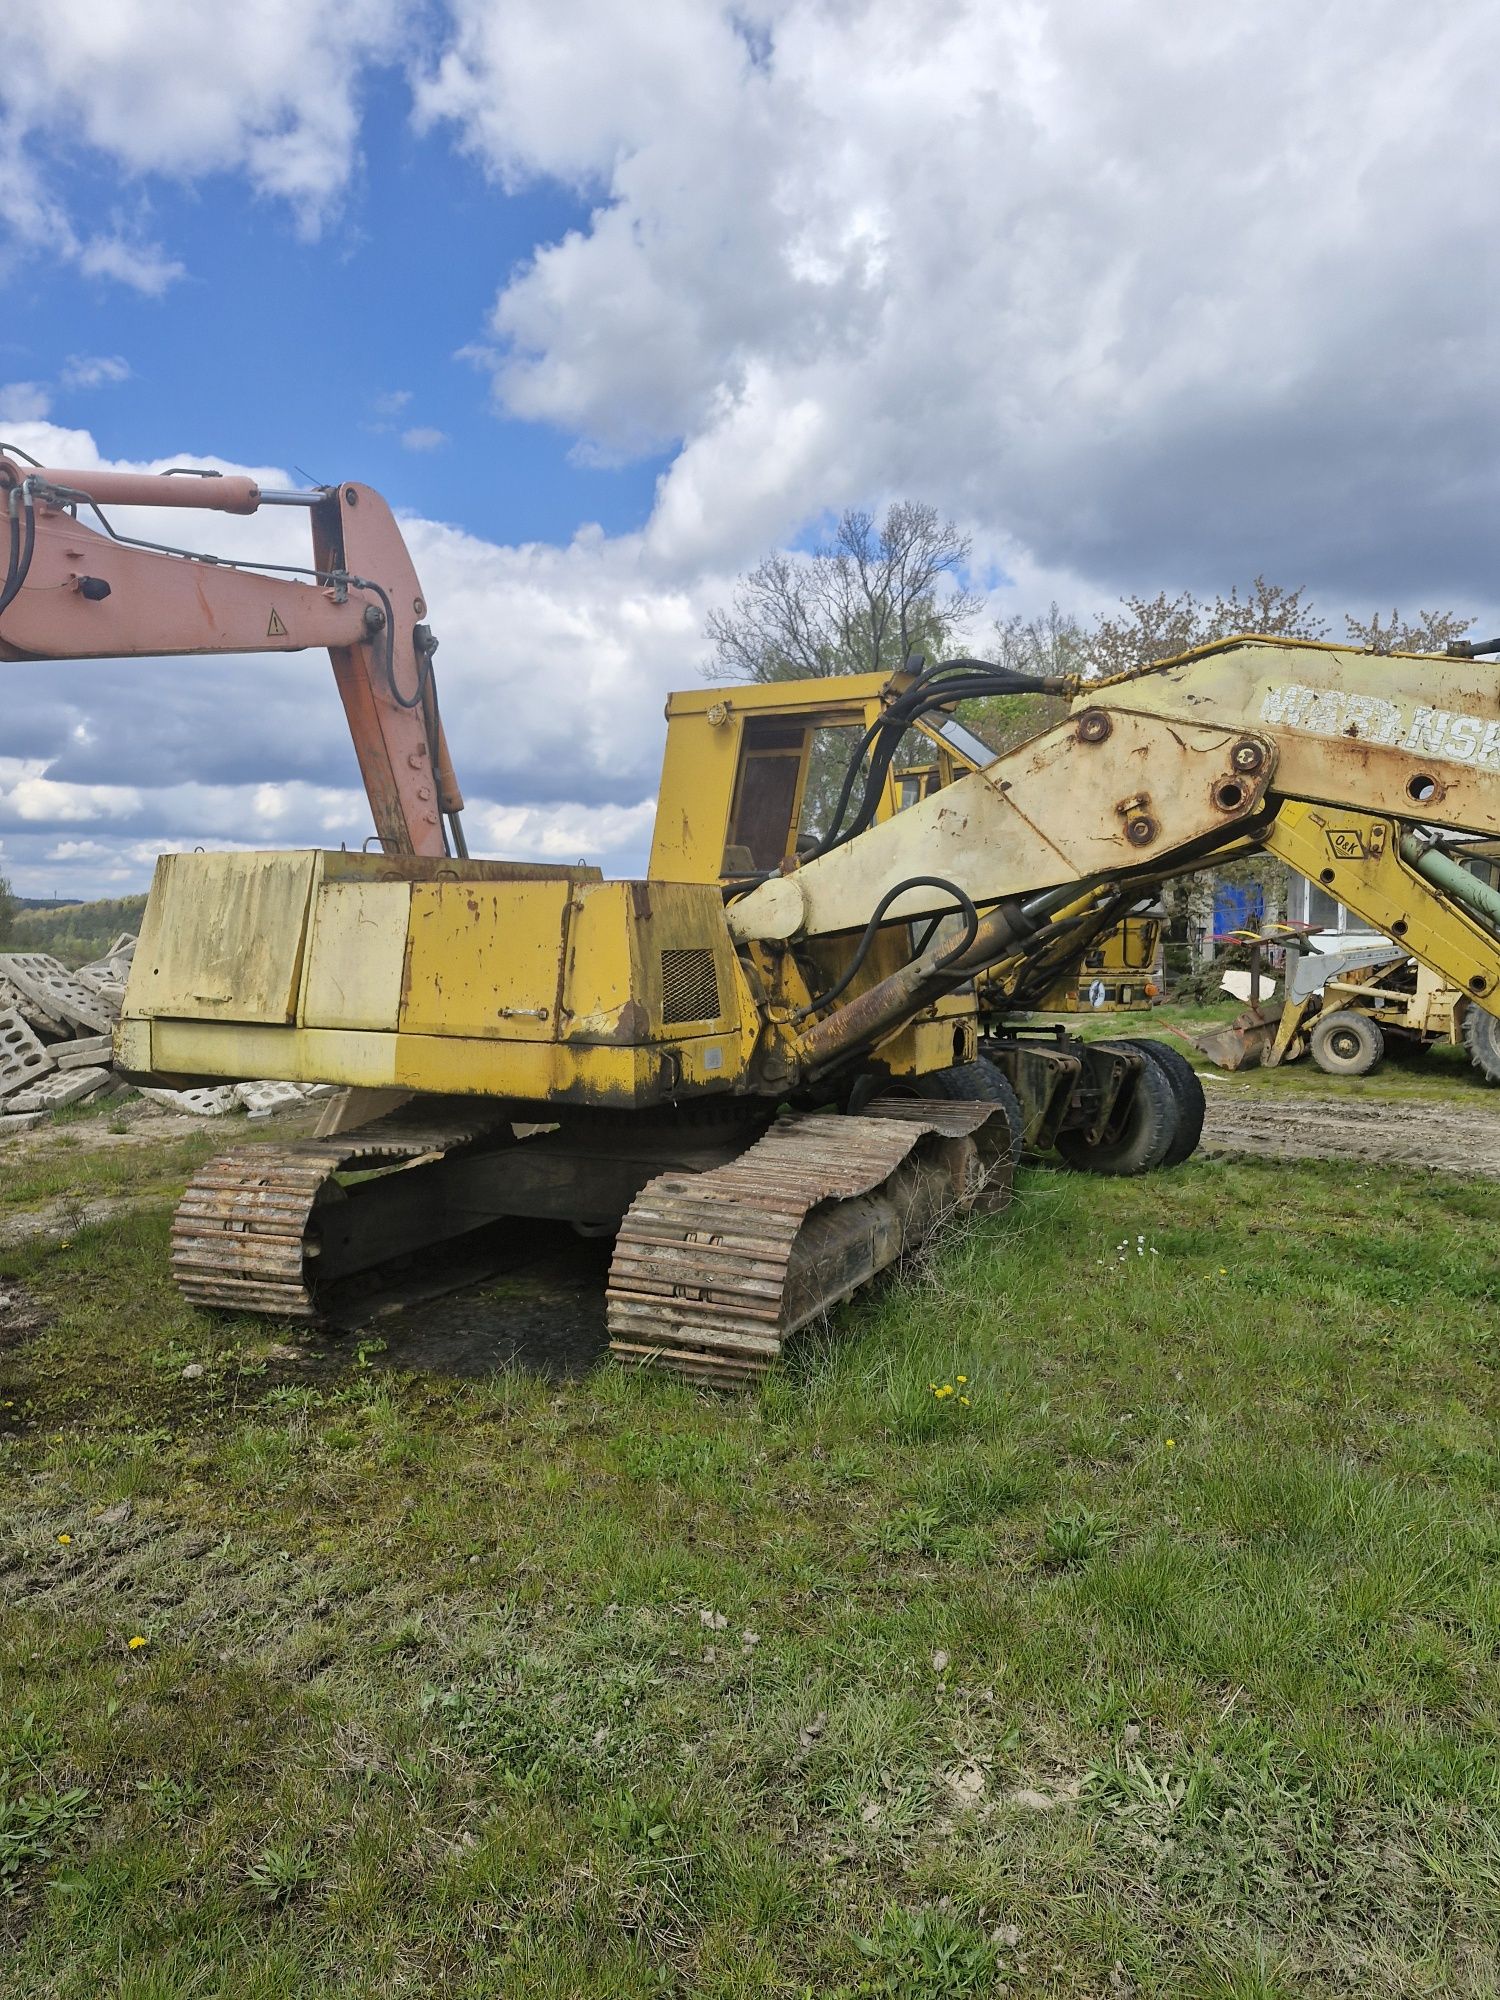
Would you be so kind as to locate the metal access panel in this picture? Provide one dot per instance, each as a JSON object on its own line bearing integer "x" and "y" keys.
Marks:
{"x": 222, "y": 938}
{"x": 356, "y": 955}
{"x": 486, "y": 959}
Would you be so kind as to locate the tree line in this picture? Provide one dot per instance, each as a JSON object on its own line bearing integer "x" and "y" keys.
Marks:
{"x": 875, "y": 592}
{"x": 73, "y": 932}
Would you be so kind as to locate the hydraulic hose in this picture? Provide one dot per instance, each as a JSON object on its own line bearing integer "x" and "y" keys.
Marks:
{"x": 935, "y": 687}
{"x": 867, "y": 938}
{"x": 19, "y": 565}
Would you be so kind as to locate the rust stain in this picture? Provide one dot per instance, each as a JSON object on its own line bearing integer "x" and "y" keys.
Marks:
{"x": 626, "y": 1030}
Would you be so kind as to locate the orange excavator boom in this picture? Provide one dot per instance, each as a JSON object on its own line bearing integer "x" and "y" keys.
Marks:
{"x": 76, "y": 588}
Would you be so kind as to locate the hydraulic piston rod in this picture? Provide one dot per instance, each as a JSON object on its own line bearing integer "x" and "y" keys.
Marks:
{"x": 1444, "y": 873}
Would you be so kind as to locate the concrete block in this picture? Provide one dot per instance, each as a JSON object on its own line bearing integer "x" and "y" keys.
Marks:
{"x": 214, "y": 1102}
{"x": 23, "y": 1059}
{"x": 108, "y": 974}
{"x": 36, "y": 1017}
{"x": 15, "y": 1122}
{"x": 261, "y": 1099}
{"x": 53, "y": 1092}
{"x": 57, "y": 991}
{"x": 82, "y": 1053}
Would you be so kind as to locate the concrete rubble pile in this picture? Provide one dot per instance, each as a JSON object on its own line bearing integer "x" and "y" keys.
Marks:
{"x": 56, "y": 1029}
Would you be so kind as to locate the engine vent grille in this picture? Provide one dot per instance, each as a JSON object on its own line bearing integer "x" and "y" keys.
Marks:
{"x": 689, "y": 987}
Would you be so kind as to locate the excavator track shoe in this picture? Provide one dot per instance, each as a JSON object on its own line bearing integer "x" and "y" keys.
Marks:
{"x": 245, "y": 1234}
{"x": 713, "y": 1271}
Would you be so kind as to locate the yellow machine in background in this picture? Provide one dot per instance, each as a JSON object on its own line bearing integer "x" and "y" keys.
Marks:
{"x": 1120, "y": 974}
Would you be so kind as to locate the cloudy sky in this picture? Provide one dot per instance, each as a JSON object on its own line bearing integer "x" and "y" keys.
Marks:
{"x": 610, "y": 301}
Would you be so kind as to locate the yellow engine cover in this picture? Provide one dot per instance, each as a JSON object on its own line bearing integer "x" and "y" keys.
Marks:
{"x": 487, "y": 978}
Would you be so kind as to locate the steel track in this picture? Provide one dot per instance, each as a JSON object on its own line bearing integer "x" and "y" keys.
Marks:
{"x": 713, "y": 1271}
{"x": 244, "y": 1238}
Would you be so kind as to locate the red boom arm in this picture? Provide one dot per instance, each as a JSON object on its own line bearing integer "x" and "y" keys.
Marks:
{"x": 74, "y": 592}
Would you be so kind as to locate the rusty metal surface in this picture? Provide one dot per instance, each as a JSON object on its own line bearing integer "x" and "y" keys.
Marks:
{"x": 241, "y": 1237}
{"x": 699, "y": 1281}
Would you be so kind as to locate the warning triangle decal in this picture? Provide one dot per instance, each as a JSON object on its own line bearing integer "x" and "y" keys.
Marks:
{"x": 275, "y": 630}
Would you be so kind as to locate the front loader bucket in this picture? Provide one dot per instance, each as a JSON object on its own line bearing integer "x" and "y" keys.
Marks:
{"x": 1240, "y": 1044}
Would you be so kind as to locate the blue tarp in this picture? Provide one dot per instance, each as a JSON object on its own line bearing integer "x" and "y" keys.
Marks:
{"x": 1236, "y": 905}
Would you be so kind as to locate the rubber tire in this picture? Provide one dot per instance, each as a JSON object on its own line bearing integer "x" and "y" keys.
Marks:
{"x": 1151, "y": 1126}
{"x": 1481, "y": 1033}
{"x": 978, "y": 1082}
{"x": 1187, "y": 1086}
{"x": 1345, "y": 1021}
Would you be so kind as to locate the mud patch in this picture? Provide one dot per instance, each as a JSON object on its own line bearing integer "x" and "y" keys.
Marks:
{"x": 1242, "y": 1123}
{"x": 536, "y": 1302}
{"x": 20, "y": 1315}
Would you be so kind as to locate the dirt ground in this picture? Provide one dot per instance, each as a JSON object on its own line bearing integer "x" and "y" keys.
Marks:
{"x": 1244, "y": 1123}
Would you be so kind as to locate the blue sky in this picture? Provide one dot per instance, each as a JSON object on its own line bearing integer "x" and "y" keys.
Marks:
{"x": 611, "y": 302}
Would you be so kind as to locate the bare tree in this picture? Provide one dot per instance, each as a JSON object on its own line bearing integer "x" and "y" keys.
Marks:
{"x": 865, "y": 602}
{"x": 7, "y": 909}
{"x": 1051, "y": 643}
{"x": 1430, "y": 633}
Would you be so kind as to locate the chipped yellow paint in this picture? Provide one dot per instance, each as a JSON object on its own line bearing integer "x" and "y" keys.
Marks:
{"x": 485, "y": 959}
{"x": 1355, "y": 857}
{"x": 546, "y": 988}
{"x": 534, "y": 1072}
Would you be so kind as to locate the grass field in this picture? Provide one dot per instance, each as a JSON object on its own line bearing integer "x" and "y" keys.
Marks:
{"x": 1159, "y": 1657}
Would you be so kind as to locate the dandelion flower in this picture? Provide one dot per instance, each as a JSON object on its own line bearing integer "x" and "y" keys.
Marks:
{"x": 962, "y": 1380}
{"x": 965, "y": 1401}
{"x": 65, "y": 1539}
{"x": 1171, "y": 1444}
{"x": 137, "y": 1642}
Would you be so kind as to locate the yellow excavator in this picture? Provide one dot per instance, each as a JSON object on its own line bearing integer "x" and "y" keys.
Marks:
{"x": 764, "y": 1070}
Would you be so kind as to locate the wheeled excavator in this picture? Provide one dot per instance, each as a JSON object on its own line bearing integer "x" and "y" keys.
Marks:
{"x": 763, "y": 1070}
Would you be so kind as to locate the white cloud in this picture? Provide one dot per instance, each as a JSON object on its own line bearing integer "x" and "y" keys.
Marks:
{"x": 93, "y": 371}
{"x": 24, "y": 402}
{"x": 28, "y": 794}
{"x": 267, "y": 88}
{"x": 423, "y": 437}
{"x": 80, "y": 850}
{"x": 142, "y": 267}
{"x": 1144, "y": 297}
{"x": 1158, "y": 296}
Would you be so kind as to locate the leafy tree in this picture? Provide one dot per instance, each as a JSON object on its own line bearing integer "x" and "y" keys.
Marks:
{"x": 7, "y": 910}
{"x": 870, "y": 597}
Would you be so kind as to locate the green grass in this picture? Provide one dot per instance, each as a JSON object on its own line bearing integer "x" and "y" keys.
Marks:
{"x": 1166, "y": 1663}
